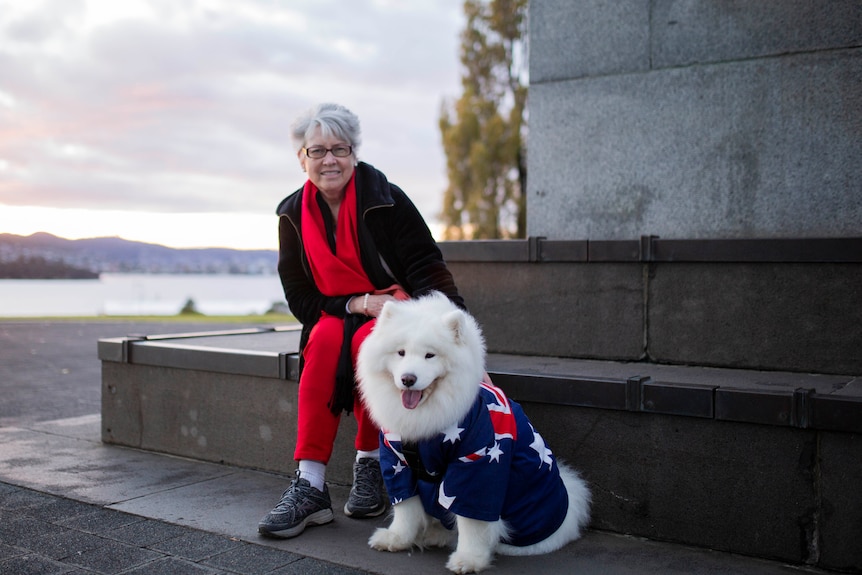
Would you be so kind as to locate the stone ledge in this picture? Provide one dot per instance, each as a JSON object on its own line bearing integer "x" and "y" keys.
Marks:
{"x": 262, "y": 352}
{"x": 805, "y": 401}
{"x": 654, "y": 249}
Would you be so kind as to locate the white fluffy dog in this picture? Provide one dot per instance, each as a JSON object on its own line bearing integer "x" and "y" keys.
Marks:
{"x": 455, "y": 451}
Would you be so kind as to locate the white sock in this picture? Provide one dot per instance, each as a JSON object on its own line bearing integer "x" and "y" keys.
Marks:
{"x": 314, "y": 472}
{"x": 372, "y": 454}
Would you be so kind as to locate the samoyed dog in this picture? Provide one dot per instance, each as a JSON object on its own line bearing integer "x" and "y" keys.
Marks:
{"x": 462, "y": 464}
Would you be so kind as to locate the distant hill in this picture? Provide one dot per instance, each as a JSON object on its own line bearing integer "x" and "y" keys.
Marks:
{"x": 38, "y": 268}
{"x": 113, "y": 254}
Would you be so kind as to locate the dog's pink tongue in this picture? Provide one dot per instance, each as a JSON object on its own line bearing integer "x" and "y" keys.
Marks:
{"x": 410, "y": 398}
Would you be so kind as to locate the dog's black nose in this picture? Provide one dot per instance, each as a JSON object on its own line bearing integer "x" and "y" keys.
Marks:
{"x": 408, "y": 379}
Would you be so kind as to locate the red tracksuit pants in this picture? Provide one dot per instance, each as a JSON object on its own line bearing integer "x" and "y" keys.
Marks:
{"x": 317, "y": 426}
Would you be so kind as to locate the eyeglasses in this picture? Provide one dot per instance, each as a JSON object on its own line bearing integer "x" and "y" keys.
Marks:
{"x": 318, "y": 152}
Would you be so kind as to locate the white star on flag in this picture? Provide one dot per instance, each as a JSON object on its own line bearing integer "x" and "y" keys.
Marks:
{"x": 398, "y": 467}
{"x": 452, "y": 434}
{"x": 540, "y": 447}
{"x": 495, "y": 452}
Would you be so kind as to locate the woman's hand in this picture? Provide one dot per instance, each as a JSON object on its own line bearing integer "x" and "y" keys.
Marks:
{"x": 369, "y": 304}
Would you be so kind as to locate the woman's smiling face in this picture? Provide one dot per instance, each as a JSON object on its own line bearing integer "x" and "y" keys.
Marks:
{"x": 329, "y": 173}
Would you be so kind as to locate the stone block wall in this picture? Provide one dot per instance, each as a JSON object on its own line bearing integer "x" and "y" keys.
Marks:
{"x": 695, "y": 119}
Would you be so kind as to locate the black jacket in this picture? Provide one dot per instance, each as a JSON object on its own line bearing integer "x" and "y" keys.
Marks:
{"x": 389, "y": 228}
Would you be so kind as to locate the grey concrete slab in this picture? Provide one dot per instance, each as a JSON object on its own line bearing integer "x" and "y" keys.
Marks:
{"x": 27, "y": 564}
{"x": 590, "y": 37}
{"x": 231, "y": 504}
{"x": 252, "y": 559}
{"x": 562, "y": 304}
{"x": 223, "y": 418}
{"x": 701, "y": 31}
{"x": 789, "y": 317}
{"x": 112, "y": 557}
{"x": 197, "y": 545}
{"x": 84, "y": 427}
{"x": 87, "y": 470}
{"x": 730, "y": 150}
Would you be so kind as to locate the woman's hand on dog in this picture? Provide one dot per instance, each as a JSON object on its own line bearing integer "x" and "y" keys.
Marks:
{"x": 370, "y": 304}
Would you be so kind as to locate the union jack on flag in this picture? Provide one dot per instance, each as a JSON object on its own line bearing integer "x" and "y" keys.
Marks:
{"x": 502, "y": 418}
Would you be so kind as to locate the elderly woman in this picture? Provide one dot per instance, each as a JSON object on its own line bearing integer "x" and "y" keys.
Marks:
{"x": 349, "y": 241}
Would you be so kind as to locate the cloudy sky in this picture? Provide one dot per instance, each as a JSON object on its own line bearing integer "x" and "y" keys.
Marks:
{"x": 167, "y": 120}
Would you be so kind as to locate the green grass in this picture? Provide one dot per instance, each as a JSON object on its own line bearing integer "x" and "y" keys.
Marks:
{"x": 269, "y": 318}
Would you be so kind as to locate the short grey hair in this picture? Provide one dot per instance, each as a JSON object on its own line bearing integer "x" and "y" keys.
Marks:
{"x": 332, "y": 119}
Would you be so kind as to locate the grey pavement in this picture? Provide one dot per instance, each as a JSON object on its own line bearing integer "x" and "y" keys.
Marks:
{"x": 71, "y": 504}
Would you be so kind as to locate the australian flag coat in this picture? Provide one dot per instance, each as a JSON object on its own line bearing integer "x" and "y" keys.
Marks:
{"x": 491, "y": 465}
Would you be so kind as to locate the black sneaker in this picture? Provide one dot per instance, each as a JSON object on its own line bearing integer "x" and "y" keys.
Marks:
{"x": 300, "y": 505}
{"x": 367, "y": 496}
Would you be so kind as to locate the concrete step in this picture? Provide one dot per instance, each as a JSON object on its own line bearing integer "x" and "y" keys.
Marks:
{"x": 749, "y": 462}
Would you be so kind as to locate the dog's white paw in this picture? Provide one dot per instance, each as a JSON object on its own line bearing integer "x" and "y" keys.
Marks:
{"x": 436, "y": 535}
{"x": 473, "y": 561}
{"x": 385, "y": 539}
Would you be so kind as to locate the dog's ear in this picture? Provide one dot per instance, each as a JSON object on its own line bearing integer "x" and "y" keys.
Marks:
{"x": 386, "y": 313}
{"x": 456, "y": 322}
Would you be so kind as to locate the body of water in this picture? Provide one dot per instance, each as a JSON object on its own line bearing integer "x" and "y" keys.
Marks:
{"x": 140, "y": 294}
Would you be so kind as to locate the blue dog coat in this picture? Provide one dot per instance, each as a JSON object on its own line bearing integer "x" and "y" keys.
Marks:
{"x": 492, "y": 465}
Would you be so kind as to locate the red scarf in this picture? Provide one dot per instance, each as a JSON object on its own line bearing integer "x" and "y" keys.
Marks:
{"x": 340, "y": 273}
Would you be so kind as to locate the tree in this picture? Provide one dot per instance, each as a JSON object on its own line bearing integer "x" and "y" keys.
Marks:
{"x": 190, "y": 308}
{"x": 484, "y": 130}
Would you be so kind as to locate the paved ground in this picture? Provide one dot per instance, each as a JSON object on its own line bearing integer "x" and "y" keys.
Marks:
{"x": 50, "y": 370}
{"x": 70, "y": 504}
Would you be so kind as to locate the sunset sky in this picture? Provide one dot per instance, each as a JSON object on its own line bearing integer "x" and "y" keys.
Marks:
{"x": 167, "y": 121}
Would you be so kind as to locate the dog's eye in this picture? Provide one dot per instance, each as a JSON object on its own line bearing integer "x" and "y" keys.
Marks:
{"x": 401, "y": 352}
{"x": 429, "y": 355}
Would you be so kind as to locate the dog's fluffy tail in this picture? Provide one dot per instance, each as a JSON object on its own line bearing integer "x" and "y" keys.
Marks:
{"x": 577, "y": 517}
